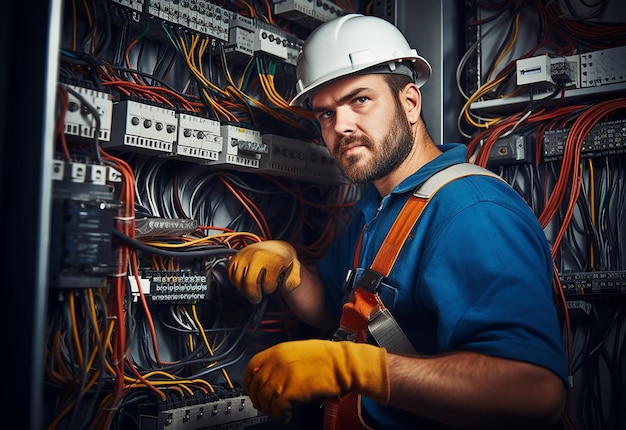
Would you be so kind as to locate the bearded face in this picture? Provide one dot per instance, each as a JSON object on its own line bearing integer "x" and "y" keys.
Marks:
{"x": 382, "y": 156}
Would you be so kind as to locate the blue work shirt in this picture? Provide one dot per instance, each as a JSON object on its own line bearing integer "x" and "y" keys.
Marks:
{"x": 474, "y": 275}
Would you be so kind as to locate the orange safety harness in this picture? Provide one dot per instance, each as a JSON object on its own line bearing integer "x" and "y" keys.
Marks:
{"x": 364, "y": 313}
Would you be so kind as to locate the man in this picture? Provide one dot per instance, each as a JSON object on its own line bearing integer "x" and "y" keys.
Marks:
{"x": 470, "y": 289}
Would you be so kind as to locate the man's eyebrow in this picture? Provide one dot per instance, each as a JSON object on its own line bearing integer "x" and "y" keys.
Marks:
{"x": 343, "y": 99}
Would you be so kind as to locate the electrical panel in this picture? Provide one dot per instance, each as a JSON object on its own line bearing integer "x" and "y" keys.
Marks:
{"x": 173, "y": 147}
{"x": 550, "y": 118}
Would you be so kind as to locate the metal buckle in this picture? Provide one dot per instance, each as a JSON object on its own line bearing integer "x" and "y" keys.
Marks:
{"x": 370, "y": 280}
{"x": 343, "y": 333}
{"x": 348, "y": 282}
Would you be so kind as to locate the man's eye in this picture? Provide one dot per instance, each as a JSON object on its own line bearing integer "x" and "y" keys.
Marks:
{"x": 361, "y": 100}
{"x": 325, "y": 115}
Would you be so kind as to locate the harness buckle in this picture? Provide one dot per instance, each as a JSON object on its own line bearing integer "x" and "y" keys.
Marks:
{"x": 370, "y": 280}
{"x": 343, "y": 333}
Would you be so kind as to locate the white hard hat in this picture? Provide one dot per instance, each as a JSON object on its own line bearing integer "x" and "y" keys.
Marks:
{"x": 351, "y": 44}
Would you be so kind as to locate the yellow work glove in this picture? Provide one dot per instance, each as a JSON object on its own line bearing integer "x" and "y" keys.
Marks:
{"x": 261, "y": 267}
{"x": 311, "y": 370}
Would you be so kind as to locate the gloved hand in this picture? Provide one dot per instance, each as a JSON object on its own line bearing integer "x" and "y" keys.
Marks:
{"x": 261, "y": 267}
{"x": 309, "y": 370}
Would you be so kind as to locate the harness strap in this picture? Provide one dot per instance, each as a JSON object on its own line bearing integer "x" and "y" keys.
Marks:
{"x": 398, "y": 234}
{"x": 365, "y": 311}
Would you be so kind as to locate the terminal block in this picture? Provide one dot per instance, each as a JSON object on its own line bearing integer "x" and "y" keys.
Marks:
{"x": 240, "y": 45}
{"x": 201, "y": 16}
{"x": 599, "y": 282}
{"x": 603, "y": 67}
{"x": 308, "y": 13}
{"x": 286, "y": 157}
{"x": 242, "y": 148}
{"x": 83, "y": 211}
{"x": 321, "y": 166}
{"x": 271, "y": 40}
{"x": 171, "y": 286}
{"x": 141, "y": 127}
{"x": 511, "y": 150}
{"x": 79, "y": 119}
{"x": 198, "y": 138}
{"x": 299, "y": 159}
{"x": 544, "y": 70}
{"x": 224, "y": 412}
{"x": 605, "y": 138}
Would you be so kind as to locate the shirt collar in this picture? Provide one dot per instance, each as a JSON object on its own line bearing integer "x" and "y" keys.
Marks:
{"x": 452, "y": 153}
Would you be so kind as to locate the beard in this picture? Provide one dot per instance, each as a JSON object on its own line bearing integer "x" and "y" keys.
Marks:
{"x": 387, "y": 154}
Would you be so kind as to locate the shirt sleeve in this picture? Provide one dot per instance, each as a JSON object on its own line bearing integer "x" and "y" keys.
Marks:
{"x": 488, "y": 277}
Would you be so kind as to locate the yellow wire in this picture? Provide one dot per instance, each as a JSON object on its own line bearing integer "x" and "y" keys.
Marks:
{"x": 479, "y": 93}
{"x": 208, "y": 346}
{"x": 489, "y": 85}
{"x": 188, "y": 55}
{"x": 509, "y": 46}
{"x": 269, "y": 90}
{"x": 75, "y": 336}
{"x": 202, "y": 240}
{"x": 234, "y": 88}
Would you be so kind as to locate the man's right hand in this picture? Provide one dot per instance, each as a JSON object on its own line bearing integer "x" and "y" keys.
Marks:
{"x": 261, "y": 267}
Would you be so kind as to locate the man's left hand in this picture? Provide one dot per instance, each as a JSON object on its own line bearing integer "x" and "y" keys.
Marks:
{"x": 309, "y": 370}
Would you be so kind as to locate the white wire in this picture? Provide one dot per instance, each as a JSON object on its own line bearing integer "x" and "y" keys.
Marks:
{"x": 470, "y": 51}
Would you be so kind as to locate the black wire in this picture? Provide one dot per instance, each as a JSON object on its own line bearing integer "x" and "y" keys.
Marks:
{"x": 134, "y": 397}
{"x": 154, "y": 78}
{"x": 255, "y": 319}
{"x": 198, "y": 252}
{"x": 594, "y": 5}
{"x": 105, "y": 31}
{"x": 239, "y": 343}
{"x": 96, "y": 117}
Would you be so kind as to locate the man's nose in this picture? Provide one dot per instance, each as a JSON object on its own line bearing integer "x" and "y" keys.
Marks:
{"x": 345, "y": 121}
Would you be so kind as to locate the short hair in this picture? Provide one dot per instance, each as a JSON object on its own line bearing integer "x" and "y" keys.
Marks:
{"x": 397, "y": 82}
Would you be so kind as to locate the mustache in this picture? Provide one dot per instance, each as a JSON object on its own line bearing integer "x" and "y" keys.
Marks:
{"x": 349, "y": 140}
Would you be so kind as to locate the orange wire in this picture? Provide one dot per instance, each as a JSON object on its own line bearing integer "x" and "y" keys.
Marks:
{"x": 249, "y": 206}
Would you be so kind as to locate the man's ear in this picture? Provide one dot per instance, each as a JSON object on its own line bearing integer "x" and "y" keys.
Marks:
{"x": 411, "y": 99}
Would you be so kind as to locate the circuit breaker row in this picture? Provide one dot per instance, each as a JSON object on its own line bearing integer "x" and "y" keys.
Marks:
{"x": 222, "y": 413}
{"x": 241, "y": 37}
{"x": 140, "y": 127}
{"x": 606, "y": 138}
